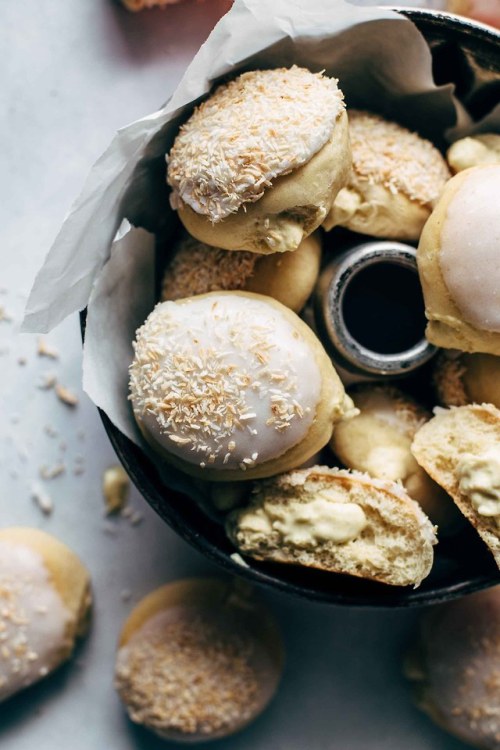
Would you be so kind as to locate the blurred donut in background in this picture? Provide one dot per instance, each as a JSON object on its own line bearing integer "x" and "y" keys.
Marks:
{"x": 485, "y": 11}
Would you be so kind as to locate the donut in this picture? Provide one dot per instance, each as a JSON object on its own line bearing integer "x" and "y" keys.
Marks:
{"x": 232, "y": 386}
{"x": 258, "y": 164}
{"x": 396, "y": 179}
{"x": 462, "y": 379}
{"x": 454, "y": 666}
{"x": 459, "y": 264}
{"x": 474, "y": 151}
{"x": 378, "y": 441}
{"x": 197, "y": 660}
{"x": 337, "y": 521}
{"x": 460, "y": 449}
{"x": 44, "y": 606}
{"x": 196, "y": 268}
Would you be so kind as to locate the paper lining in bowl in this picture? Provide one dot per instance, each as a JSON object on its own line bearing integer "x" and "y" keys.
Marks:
{"x": 394, "y": 79}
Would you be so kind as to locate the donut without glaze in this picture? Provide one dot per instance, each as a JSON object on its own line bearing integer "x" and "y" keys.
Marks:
{"x": 198, "y": 660}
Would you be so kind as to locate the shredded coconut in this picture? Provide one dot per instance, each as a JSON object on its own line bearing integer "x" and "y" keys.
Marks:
{"x": 197, "y": 268}
{"x": 385, "y": 153}
{"x": 261, "y": 125}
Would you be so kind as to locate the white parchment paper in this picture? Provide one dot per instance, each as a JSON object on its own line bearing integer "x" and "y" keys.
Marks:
{"x": 383, "y": 64}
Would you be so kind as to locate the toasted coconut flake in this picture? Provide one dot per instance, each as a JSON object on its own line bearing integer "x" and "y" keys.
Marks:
{"x": 197, "y": 268}
{"x": 385, "y": 153}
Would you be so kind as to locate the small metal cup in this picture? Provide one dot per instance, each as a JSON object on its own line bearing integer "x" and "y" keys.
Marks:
{"x": 349, "y": 349}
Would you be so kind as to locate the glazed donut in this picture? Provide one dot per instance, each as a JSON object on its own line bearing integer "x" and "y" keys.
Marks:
{"x": 197, "y": 660}
{"x": 232, "y": 386}
{"x": 458, "y": 264}
{"x": 258, "y": 164}
{"x": 454, "y": 667}
{"x": 44, "y": 606}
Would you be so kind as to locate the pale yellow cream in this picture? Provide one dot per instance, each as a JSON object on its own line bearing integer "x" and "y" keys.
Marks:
{"x": 306, "y": 525}
{"x": 479, "y": 479}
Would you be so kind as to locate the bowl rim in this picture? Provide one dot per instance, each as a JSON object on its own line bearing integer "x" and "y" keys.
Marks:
{"x": 149, "y": 484}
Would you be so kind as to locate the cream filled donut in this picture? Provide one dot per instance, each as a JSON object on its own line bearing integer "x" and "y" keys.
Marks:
{"x": 233, "y": 385}
{"x": 258, "y": 164}
{"x": 338, "y": 521}
{"x": 396, "y": 179}
{"x": 474, "y": 151}
{"x": 196, "y": 268}
{"x": 459, "y": 264}
{"x": 44, "y": 606}
{"x": 198, "y": 660}
{"x": 460, "y": 449}
{"x": 378, "y": 441}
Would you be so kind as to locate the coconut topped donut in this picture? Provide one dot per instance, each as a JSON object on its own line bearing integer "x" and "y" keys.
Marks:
{"x": 198, "y": 660}
{"x": 196, "y": 268}
{"x": 44, "y": 603}
{"x": 251, "y": 130}
{"x": 396, "y": 180}
{"x": 233, "y": 385}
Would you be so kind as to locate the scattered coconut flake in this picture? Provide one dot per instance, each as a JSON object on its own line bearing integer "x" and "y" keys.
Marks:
{"x": 42, "y": 499}
{"x": 237, "y": 558}
{"x": 4, "y": 315}
{"x": 47, "y": 381}
{"x": 66, "y": 396}
{"x": 115, "y": 489}
{"x": 50, "y": 431}
{"x": 109, "y": 529}
{"x": 52, "y": 472}
{"x": 44, "y": 350}
{"x": 136, "y": 518}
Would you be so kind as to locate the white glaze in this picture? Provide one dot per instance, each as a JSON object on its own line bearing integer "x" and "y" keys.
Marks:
{"x": 470, "y": 248}
{"x": 271, "y": 361}
{"x": 33, "y": 619}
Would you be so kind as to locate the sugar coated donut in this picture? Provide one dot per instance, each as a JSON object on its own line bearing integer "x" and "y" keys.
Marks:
{"x": 198, "y": 660}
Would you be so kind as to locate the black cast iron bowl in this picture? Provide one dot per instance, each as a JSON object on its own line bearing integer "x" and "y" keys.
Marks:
{"x": 468, "y": 55}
